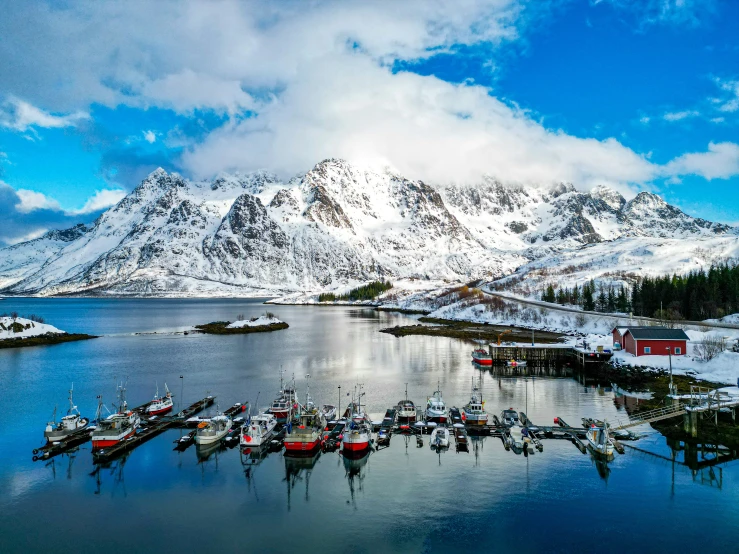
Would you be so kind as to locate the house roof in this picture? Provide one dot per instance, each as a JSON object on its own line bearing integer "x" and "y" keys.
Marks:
{"x": 656, "y": 333}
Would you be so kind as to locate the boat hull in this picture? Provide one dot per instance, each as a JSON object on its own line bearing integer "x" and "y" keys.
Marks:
{"x": 473, "y": 419}
{"x": 107, "y": 443}
{"x": 482, "y": 361}
{"x": 300, "y": 447}
{"x": 160, "y": 411}
{"x": 358, "y": 446}
{"x": 436, "y": 418}
{"x": 58, "y": 435}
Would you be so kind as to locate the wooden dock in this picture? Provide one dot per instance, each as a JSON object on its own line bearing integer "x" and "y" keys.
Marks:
{"x": 542, "y": 355}
{"x": 154, "y": 429}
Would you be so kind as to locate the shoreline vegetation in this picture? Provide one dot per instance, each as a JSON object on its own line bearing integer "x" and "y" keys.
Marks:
{"x": 265, "y": 323}
{"x": 472, "y": 331}
{"x": 46, "y": 339}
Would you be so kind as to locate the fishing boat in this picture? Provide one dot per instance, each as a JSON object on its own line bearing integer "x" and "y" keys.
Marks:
{"x": 599, "y": 439}
{"x": 474, "y": 412}
{"x": 285, "y": 404}
{"x": 116, "y": 427}
{"x": 482, "y": 356}
{"x": 435, "y": 407}
{"x": 516, "y": 363}
{"x": 329, "y": 412}
{"x": 212, "y": 430}
{"x": 509, "y": 417}
{"x": 70, "y": 423}
{"x": 161, "y": 404}
{"x": 258, "y": 430}
{"x": 357, "y": 434}
{"x": 307, "y": 435}
{"x": 439, "y": 437}
{"x": 406, "y": 409}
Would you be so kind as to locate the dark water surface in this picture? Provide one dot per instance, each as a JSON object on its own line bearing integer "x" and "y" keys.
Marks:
{"x": 403, "y": 498}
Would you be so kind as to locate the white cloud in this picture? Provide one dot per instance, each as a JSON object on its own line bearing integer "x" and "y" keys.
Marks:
{"x": 150, "y": 137}
{"x": 721, "y": 161}
{"x": 674, "y": 12}
{"x": 31, "y": 200}
{"x": 644, "y": 120}
{"x": 420, "y": 126}
{"x": 677, "y": 116}
{"x": 21, "y": 116}
{"x": 302, "y": 81}
{"x": 730, "y": 102}
{"x": 101, "y": 200}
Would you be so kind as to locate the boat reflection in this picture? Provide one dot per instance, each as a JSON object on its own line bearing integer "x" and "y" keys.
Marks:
{"x": 354, "y": 466}
{"x": 299, "y": 468}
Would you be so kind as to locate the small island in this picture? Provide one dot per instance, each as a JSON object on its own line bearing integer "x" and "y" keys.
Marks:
{"x": 16, "y": 332}
{"x": 262, "y": 324}
{"x": 469, "y": 330}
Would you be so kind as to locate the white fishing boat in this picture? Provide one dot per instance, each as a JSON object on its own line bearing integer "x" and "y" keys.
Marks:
{"x": 116, "y": 427}
{"x": 474, "y": 412}
{"x": 258, "y": 430}
{"x": 516, "y": 363}
{"x": 406, "y": 409}
{"x": 213, "y": 430}
{"x": 70, "y": 423}
{"x": 161, "y": 404}
{"x": 599, "y": 439}
{"x": 439, "y": 437}
{"x": 435, "y": 407}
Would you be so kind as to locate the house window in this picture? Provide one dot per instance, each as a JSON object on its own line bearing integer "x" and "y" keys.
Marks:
{"x": 647, "y": 350}
{"x": 678, "y": 351}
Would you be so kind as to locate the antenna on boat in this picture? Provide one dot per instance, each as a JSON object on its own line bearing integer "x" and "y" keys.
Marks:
{"x": 406, "y": 391}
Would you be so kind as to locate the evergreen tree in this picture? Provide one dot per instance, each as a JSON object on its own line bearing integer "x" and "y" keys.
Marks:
{"x": 587, "y": 298}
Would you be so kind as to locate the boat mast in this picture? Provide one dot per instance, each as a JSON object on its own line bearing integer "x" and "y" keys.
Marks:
{"x": 72, "y": 407}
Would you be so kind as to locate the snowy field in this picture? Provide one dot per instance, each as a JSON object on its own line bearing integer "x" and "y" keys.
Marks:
{"x": 9, "y": 328}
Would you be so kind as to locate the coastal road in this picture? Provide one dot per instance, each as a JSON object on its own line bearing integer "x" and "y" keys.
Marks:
{"x": 615, "y": 317}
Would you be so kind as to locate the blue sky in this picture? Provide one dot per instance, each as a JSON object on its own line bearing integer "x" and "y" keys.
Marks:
{"x": 638, "y": 95}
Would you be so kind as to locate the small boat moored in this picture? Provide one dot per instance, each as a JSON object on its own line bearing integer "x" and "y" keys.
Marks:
{"x": 439, "y": 437}
{"x": 482, "y": 357}
{"x": 406, "y": 409}
{"x": 599, "y": 439}
{"x": 474, "y": 412}
{"x": 160, "y": 404}
{"x": 509, "y": 417}
{"x": 516, "y": 363}
{"x": 258, "y": 430}
{"x": 435, "y": 407}
{"x": 213, "y": 430}
{"x": 70, "y": 423}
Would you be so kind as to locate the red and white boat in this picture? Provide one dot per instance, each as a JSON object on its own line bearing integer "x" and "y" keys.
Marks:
{"x": 482, "y": 357}
{"x": 357, "y": 434}
{"x": 161, "y": 404}
{"x": 285, "y": 405}
{"x": 116, "y": 427}
{"x": 307, "y": 435}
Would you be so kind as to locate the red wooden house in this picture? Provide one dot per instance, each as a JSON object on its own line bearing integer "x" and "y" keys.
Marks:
{"x": 651, "y": 341}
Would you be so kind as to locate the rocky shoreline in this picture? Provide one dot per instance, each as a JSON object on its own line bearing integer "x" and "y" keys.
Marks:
{"x": 47, "y": 339}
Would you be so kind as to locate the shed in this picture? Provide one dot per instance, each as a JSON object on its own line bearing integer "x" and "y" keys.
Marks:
{"x": 654, "y": 341}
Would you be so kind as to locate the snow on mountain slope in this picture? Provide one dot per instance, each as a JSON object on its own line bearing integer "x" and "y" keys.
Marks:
{"x": 338, "y": 225}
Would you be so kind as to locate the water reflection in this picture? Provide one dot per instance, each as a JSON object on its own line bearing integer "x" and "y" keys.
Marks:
{"x": 299, "y": 469}
{"x": 355, "y": 471}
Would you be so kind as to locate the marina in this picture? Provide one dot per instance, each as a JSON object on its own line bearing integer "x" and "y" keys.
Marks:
{"x": 273, "y": 489}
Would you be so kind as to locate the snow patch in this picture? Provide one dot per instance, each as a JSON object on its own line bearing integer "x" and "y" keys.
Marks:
{"x": 256, "y": 322}
{"x": 21, "y": 327}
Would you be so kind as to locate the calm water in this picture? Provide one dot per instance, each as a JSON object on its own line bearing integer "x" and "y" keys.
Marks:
{"x": 403, "y": 498}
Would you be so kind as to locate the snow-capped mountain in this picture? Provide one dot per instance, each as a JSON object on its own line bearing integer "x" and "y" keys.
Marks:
{"x": 335, "y": 226}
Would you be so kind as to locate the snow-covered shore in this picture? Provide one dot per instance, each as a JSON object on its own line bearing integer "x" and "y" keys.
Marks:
{"x": 256, "y": 322}
{"x": 22, "y": 328}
